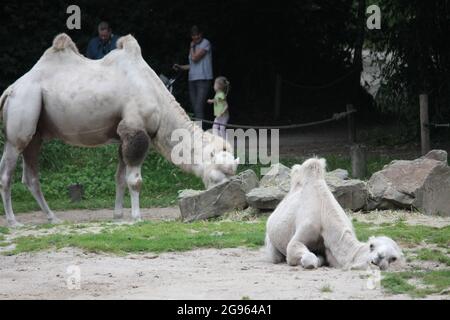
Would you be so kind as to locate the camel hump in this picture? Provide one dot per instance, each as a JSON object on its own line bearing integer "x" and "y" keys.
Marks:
{"x": 63, "y": 41}
{"x": 129, "y": 43}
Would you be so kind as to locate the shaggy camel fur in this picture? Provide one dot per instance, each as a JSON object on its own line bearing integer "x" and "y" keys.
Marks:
{"x": 310, "y": 228}
{"x": 118, "y": 99}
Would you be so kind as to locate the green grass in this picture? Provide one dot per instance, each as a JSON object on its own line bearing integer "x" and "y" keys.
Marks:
{"x": 4, "y": 230}
{"x": 154, "y": 237}
{"x": 433, "y": 255}
{"x": 405, "y": 233}
{"x": 94, "y": 168}
{"x": 432, "y": 281}
{"x": 326, "y": 288}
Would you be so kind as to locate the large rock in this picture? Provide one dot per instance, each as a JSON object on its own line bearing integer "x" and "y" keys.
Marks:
{"x": 274, "y": 185}
{"x": 423, "y": 183}
{"x": 351, "y": 194}
{"x": 224, "y": 197}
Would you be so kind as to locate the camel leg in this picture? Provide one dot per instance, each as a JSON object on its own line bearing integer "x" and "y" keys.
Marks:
{"x": 30, "y": 176}
{"x": 298, "y": 253}
{"x": 134, "y": 181}
{"x": 322, "y": 260}
{"x": 21, "y": 115}
{"x": 272, "y": 253}
{"x": 135, "y": 144}
{"x": 7, "y": 167}
{"x": 121, "y": 184}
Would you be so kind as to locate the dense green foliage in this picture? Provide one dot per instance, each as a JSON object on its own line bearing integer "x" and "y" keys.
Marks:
{"x": 415, "y": 33}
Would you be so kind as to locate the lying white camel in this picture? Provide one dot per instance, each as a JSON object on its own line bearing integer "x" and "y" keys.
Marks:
{"x": 310, "y": 228}
{"x": 118, "y": 99}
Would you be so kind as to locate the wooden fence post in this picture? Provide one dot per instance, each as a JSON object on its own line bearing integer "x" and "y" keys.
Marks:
{"x": 424, "y": 129}
{"x": 277, "y": 104}
{"x": 358, "y": 154}
{"x": 351, "y": 124}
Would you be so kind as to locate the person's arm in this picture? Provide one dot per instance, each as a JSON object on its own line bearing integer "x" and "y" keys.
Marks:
{"x": 197, "y": 54}
{"x": 184, "y": 67}
{"x": 225, "y": 109}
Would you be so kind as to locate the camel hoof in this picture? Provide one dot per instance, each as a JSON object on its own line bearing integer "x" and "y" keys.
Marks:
{"x": 55, "y": 220}
{"x": 14, "y": 224}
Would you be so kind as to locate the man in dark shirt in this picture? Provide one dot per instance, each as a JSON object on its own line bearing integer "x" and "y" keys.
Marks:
{"x": 100, "y": 46}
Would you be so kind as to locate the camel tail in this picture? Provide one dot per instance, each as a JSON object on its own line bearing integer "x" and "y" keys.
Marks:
{"x": 3, "y": 99}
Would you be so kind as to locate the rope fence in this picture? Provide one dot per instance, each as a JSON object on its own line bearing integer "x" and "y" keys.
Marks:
{"x": 335, "y": 117}
{"x": 437, "y": 125}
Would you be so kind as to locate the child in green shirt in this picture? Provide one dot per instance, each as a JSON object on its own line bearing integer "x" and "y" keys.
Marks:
{"x": 221, "y": 113}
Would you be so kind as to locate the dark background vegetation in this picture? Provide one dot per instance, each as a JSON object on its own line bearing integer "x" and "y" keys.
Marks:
{"x": 307, "y": 42}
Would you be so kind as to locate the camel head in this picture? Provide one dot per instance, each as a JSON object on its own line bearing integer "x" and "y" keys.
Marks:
{"x": 383, "y": 252}
{"x": 223, "y": 165}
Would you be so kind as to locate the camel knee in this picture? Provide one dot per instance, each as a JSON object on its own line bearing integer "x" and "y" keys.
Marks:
{"x": 298, "y": 254}
{"x": 134, "y": 178}
{"x": 135, "y": 145}
{"x": 28, "y": 181}
{"x": 5, "y": 180}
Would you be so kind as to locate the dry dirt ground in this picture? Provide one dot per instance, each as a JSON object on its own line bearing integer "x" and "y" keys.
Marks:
{"x": 199, "y": 274}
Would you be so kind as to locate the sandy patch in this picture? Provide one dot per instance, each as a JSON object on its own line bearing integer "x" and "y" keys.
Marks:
{"x": 199, "y": 274}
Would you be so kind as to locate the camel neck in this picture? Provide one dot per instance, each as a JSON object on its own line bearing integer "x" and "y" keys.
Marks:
{"x": 178, "y": 139}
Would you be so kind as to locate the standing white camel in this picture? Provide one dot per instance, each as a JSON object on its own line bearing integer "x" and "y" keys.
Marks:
{"x": 118, "y": 99}
{"x": 309, "y": 227}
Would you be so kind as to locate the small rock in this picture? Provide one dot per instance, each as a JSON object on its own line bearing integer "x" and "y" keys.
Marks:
{"x": 338, "y": 173}
{"x": 224, "y": 197}
{"x": 265, "y": 198}
{"x": 278, "y": 176}
{"x": 351, "y": 194}
{"x": 438, "y": 155}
